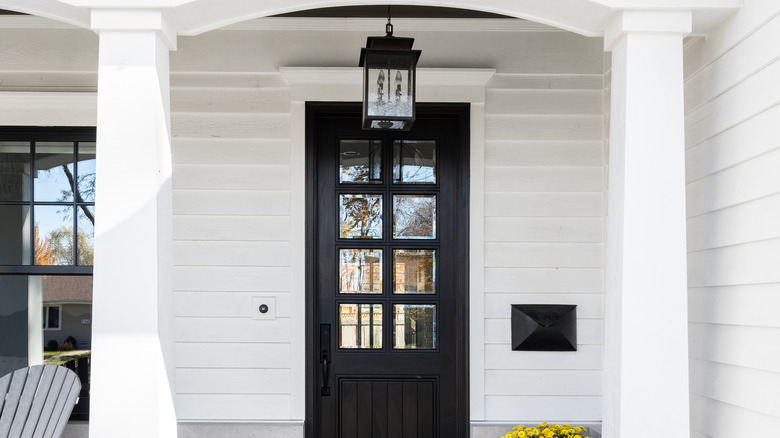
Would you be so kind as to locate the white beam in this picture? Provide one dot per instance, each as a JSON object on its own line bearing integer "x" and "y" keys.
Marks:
{"x": 646, "y": 359}
{"x": 132, "y": 360}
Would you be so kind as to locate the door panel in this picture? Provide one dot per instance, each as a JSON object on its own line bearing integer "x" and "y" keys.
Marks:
{"x": 387, "y": 220}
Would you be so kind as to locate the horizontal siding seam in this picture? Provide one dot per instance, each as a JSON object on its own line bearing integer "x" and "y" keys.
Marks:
{"x": 733, "y": 165}
{"x": 734, "y": 245}
{"x": 743, "y": 408}
{"x": 732, "y": 86}
{"x": 735, "y": 44}
{"x": 732, "y": 126}
{"x": 747, "y": 201}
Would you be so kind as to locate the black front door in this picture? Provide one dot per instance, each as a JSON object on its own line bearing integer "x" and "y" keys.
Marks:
{"x": 387, "y": 275}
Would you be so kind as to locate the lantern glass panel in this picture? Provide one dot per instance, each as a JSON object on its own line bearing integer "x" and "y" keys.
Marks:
{"x": 390, "y": 84}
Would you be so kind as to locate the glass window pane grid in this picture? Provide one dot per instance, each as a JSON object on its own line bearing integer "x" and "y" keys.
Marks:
{"x": 73, "y": 201}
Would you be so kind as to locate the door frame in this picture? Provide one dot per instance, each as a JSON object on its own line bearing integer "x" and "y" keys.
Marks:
{"x": 462, "y": 112}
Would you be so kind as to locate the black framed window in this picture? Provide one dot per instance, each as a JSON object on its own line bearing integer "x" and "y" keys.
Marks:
{"x": 47, "y": 200}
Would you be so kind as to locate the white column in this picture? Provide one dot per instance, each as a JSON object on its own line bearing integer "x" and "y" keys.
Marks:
{"x": 132, "y": 360}
{"x": 646, "y": 335}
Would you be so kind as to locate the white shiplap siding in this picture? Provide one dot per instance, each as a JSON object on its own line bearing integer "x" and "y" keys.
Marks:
{"x": 231, "y": 154}
{"x": 544, "y": 235}
{"x": 733, "y": 155}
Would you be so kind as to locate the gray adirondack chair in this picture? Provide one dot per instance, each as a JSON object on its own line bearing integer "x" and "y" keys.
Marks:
{"x": 37, "y": 401}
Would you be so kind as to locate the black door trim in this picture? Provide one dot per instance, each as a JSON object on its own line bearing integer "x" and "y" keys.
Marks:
{"x": 461, "y": 112}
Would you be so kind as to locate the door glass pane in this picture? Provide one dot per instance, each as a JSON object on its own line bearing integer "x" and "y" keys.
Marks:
{"x": 54, "y": 180}
{"x": 414, "y": 327}
{"x": 360, "y": 161}
{"x": 54, "y": 235}
{"x": 15, "y": 223}
{"x": 414, "y": 216}
{"x": 414, "y": 271}
{"x": 15, "y": 168}
{"x": 360, "y": 271}
{"x": 360, "y": 216}
{"x": 414, "y": 161}
{"x": 86, "y": 235}
{"x": 360, "y": 325}
{"x": 86, "y": 176}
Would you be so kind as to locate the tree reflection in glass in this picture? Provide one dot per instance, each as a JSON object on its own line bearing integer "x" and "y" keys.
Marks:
{"x": 414, "y": 326}
{"x": 360, "y": 216}
{"x": 414, "y": 216}
{"x": 414, "y": 161}
{"x": 360, "y": 271}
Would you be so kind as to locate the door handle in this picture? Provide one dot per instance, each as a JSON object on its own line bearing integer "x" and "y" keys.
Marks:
{"x": 325, "y": 359}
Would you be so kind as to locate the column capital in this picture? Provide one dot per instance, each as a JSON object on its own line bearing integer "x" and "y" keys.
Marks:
{"x": 135, "y": 20}
{"x": 639, "y": 21}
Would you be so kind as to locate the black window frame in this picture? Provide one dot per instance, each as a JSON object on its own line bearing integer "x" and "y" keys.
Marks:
{"x": 47, "y": 134}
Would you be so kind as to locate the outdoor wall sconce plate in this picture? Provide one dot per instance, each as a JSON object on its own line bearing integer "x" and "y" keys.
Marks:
{"x": 544, "y": 327}
{"x": 389, "y": 66}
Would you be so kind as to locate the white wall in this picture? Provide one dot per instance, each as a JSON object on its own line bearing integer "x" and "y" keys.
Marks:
{"x": 733, "y": 157}
{"x": 543, "y": 200}
{"x": 234, "y": 199}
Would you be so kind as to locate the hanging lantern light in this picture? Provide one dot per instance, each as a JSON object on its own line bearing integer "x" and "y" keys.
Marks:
{"x": 389, "y": 65}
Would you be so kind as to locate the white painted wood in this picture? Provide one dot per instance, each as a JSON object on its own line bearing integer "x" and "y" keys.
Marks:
{"x": 501, "y": 357}
{"x": 541, "y": 255}
{"x": 240, "y": 151}
{"x": 748, "y": 263}
{"x": 734, "y": 66}
{"x": 200, "y": 125}
{"x": 232, "y": 381}
{"x": 714, "y": 418}
{"x": 231, "y": 228}
{"x": 543, "y": 179}
{"x": 752, "y": 180}
{"x": 728, "y": 344}
{"x": 588, "y": 305}
{"x": 544, "y": 382}
{"x": 227, "y": 304}
{"x": 236, "y": 407}
{"x": 751, "y": 389}
{"x": 544, "y": 280}
{"x": 646, "y": 265}
{"x": 230, "y": 177}
{"x": 541, "y": 153}
{"x": 746, "y": 305}
{"x": 747, "y": 222}
{"x": 751, "y": 138}
{"x": 132, "y": 296}
{"x": 220, "y": 253}
{"x": 477, "y": 261}
{"x": 544, "y": 230}
{"x": 537, "y": 409}
{"x": 232, "y": 330}
{"x": 232, "y": 202}
{"x": 536, "y": 80}
{"x": 231, "y": 278}
{"x": 730, "y": 108}
{"x": 548, "y": 204}
{"x": 19, "y": 108}
{"x": 224, "y": 355}
{"x": 558, "y": 102}
{"x": 544, "y": 127}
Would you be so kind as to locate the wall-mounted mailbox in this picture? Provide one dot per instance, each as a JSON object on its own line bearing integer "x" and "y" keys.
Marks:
{"x": 544, "y": 327}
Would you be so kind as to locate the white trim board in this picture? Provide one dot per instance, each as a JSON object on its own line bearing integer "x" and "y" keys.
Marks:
{"x": 30, "y": 108}
{"x": 318, "y": 84}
